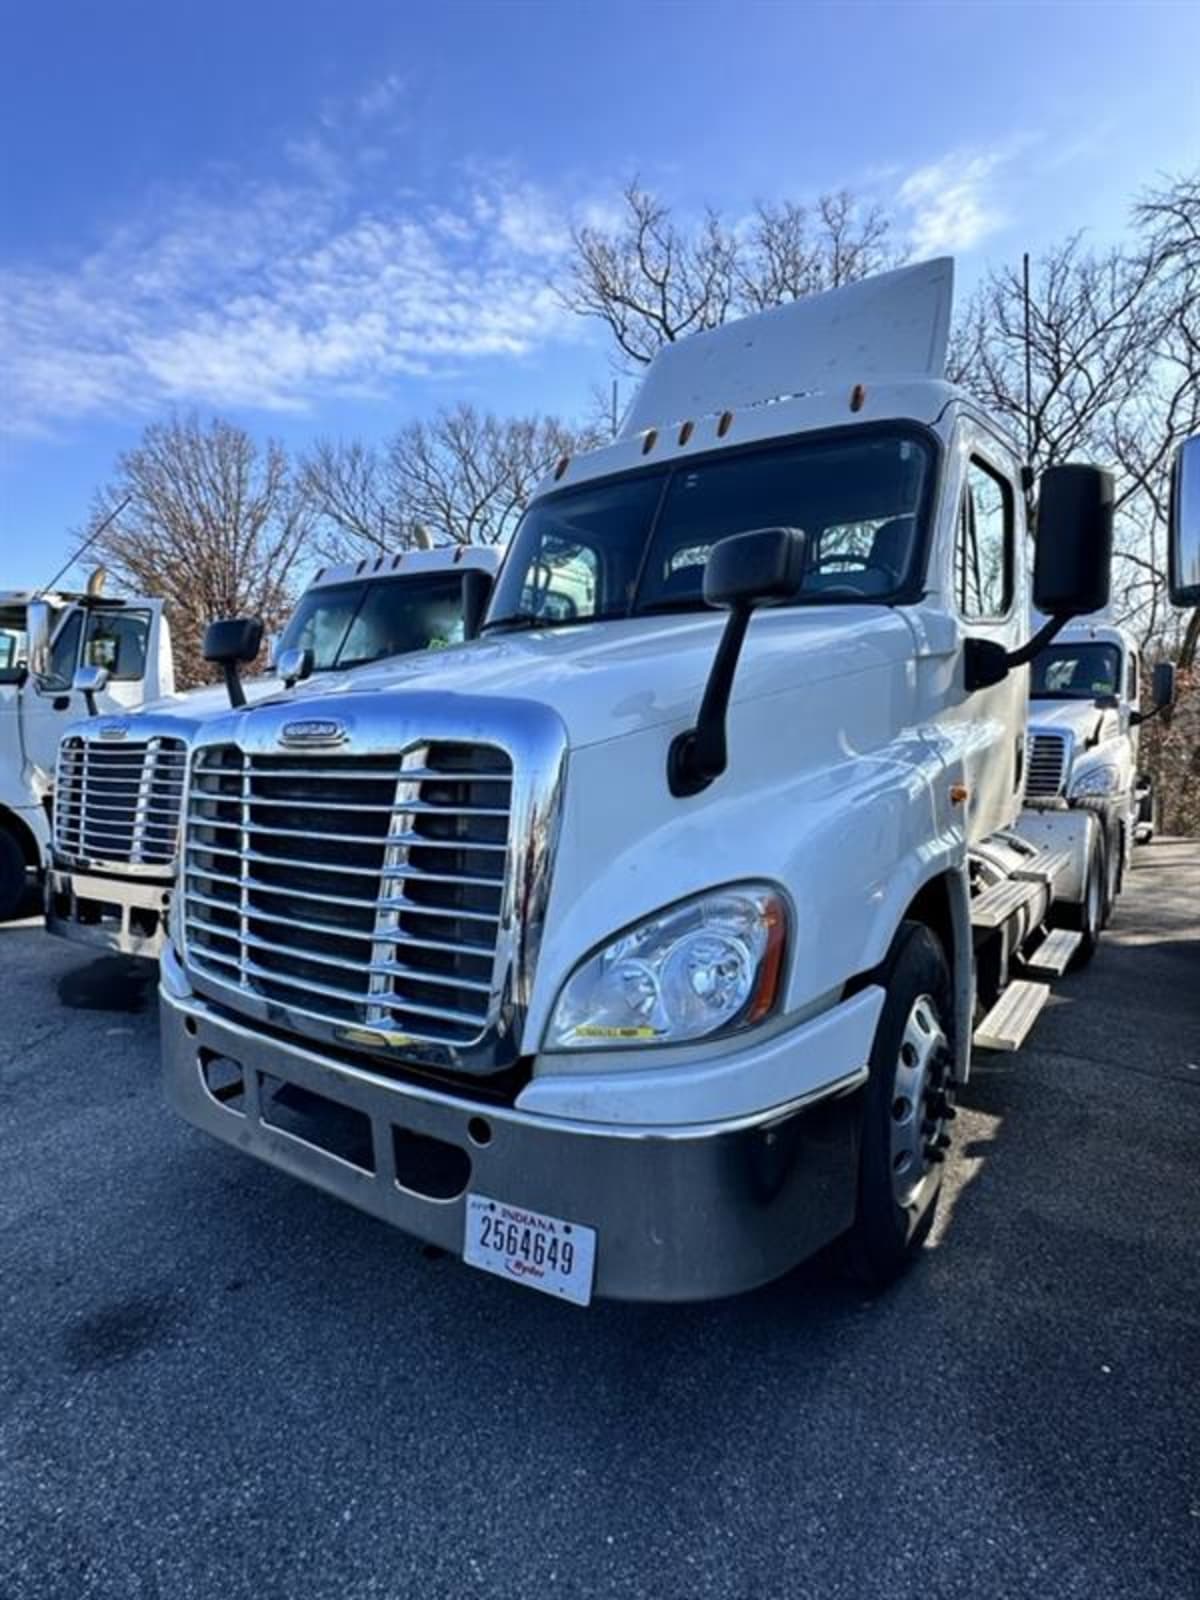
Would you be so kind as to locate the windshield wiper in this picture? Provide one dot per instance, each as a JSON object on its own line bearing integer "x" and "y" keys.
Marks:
{"x": 527, "y": 620}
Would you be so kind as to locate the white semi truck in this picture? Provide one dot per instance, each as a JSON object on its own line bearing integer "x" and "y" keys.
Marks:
{"x": 120, "y": 779}
{"x": 1082, "y": 740}
{"x": 45, "y": 638}
{"x": 636, "y": 950}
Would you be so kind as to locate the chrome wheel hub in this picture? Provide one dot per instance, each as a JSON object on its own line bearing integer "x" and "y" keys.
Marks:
{"x": 921, "y": 1106}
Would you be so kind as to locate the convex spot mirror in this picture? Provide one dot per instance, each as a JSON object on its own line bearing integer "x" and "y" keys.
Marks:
{"x": 294, "y": 665}
{"x": 1072, "y": 567}
{"x": 1163, "y": 689}
{"x": 89, "y": 682}
{"x": 1184, "y": 547}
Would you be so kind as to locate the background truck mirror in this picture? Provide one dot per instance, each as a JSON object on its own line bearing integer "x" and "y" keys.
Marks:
{"x": 1072, "y": 568}
{"x": 1184, "y": 545}
{"x": 228, "y": 642}
{"x": 89, "y": 682}
{"x": 477, "y": 591}
{"x": 37, "y": 631}
{"x": 762, "y": 567}
{"x": 1164, "y": 685}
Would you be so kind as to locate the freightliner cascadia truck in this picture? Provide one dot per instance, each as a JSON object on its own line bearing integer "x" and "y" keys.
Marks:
{"x": 637, "y": 948}
{"x": 120, "y": 779}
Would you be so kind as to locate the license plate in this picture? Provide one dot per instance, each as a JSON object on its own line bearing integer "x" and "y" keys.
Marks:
{"x": 529, "y": 1248}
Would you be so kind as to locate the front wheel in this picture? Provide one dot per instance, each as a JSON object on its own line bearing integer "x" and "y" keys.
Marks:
{"x": 907, "y": 1110}
{"x": 1087, "y": 918}
{"x": 12, "y": 876}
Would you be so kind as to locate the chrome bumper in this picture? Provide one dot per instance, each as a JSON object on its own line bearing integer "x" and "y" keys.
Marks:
{"x": 125, "y": 916}
{"x": 683, "y": 1213}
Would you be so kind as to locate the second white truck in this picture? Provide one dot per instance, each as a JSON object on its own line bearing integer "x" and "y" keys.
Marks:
{"x": 120, "y": 779}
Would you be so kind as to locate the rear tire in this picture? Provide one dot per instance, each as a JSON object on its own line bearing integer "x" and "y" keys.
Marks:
{"x": 906, "y": 1111}
{"x": 12, "y": 876}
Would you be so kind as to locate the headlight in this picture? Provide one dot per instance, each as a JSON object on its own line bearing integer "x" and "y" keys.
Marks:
{"x": 1096, "y": 781}
{"x": 705, "y": 966}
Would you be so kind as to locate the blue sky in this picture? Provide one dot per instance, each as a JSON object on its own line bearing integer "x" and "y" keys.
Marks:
{"x": 329, "y": 218}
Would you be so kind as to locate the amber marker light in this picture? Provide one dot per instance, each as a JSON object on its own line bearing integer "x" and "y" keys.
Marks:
{"x": 766, "y": 992}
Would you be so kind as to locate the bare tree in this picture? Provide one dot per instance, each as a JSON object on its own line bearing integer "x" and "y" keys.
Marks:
{"x": 213, "y": 525}
{"x": 464, "y": 477}
{"x": 652, "y": 280}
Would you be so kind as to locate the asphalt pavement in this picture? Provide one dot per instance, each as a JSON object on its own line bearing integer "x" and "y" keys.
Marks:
{"x": 216, "y": 1382}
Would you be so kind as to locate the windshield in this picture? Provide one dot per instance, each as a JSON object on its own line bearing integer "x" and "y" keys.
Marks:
{"x": 350, "y": 624}
{"x": 628, "y": 546}
{"x": 1075, "y": 672}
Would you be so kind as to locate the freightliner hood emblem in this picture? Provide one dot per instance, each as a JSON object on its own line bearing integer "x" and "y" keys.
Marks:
{"x": 313, "y": 730}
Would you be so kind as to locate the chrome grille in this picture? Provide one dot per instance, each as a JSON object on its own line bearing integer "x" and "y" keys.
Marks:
{"x": 362, "y": 891}
{"x": 1046, "y": 762}
{"x": 119, "y": 803}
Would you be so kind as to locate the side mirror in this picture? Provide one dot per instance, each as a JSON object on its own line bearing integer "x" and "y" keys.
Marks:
{"x": 762, "y": 567}
{"x": 477, "y": 591}
{"x": 294, "y": 665}
{"x": 1163, "y": 686}
{"x": 1184, "y": 544}
{"x": 230, "y": 642}
{"x": 1072, "y": 567}
{"x": 37, "y": 631}
{"x": 89, "y": 682}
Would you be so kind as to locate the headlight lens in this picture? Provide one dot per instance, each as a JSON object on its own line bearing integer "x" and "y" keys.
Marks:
{"x": 705, "y": 966}
{"x": 1096, "y": 781}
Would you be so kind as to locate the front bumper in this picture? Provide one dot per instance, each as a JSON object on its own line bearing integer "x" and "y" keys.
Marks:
{"x": 126, "y": 916}
{"x": 681, "y": 1213}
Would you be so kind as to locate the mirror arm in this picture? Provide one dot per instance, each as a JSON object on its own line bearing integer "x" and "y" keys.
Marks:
{"x": 89, "y": 699}
{"x": 986, "y": 663}
{"x": 233, "y": 684}
{"x": 701, "y": 753}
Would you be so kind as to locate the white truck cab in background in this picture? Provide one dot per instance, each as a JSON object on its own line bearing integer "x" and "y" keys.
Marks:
{"x": 120, "y": 779}
{"x": 1086, "y": 707}
{"x": 45, "y": 638}
{"x": 636, "y": 949}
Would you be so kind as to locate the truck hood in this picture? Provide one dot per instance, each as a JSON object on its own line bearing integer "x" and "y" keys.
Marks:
{"x": 609, "y": 679}
{"x": 209, "y": 700}
{"x": 1090, "y": 724}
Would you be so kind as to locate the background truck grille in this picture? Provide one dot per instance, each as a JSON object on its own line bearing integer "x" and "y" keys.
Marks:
{"x": 119, "y": 803}
{"x": 363, "y": 891}
{"x": 1045, "y": 766}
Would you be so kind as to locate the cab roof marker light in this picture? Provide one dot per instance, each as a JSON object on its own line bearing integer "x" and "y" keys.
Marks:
{"x": 649, "y": 441}
{"x": 858, "y": 397}
{"x": 685, "y": 433}
{"x": 724, "y": 424}
{"x": 561, "y": 468}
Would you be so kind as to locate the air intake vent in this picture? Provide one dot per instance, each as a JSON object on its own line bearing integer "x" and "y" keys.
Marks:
{"x": 119, "y": 804}
{"x": 364, "y": 892}
{"x": 1045, "y": 766}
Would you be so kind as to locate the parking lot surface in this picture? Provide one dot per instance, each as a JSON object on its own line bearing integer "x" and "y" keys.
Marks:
{"x": 217, "y": 1382}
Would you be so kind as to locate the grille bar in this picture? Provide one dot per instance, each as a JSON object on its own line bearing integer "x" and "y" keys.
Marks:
{"x": 362, "y": 891}
{"x": 1046, "y": 762}
{"x": 119, "y": 807}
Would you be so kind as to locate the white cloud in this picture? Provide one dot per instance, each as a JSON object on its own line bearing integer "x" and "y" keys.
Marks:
{"x": 281, "y": 295}
{"x": 952, "y": 203}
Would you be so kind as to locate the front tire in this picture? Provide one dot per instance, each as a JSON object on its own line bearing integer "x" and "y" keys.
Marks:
{"x": 907, "y": 1109}
{"x": 1087, "y": 917}
{"x": 12, "y": 876}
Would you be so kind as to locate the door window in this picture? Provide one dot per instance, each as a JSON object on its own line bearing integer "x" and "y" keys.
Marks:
{"x": 983, "y": 556}
{"x": 64, "y": 655}
{"x": 117, "y": 641}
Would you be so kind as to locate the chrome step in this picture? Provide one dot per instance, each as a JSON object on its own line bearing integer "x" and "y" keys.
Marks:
{"x": 1045, "y": 867}
{"x": 995, "y": 905}
{"x": 1008, "y": 1022}
{"x": 1055, "y": 953}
